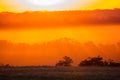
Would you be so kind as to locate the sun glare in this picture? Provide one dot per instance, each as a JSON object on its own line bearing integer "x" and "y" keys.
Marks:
{"x": 56, "y": 5}
{"x": 45, "y": 2}
{"x": 49, "y": 5}
{"x": 53, "y": 5}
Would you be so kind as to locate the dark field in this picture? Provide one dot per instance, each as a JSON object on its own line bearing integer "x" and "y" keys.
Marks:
{"x": 60, "y": 73}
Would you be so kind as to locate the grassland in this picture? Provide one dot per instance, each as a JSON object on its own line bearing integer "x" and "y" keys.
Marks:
{"x": 60, "y": 73}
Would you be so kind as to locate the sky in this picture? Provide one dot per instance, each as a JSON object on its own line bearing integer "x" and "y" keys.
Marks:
{"x": 34, "y": 5}
{"x": 103, "y": 27}
{"x": 31, "y": 27}
{"x": 97, "y": 35}
{"x": 51, "y": 5}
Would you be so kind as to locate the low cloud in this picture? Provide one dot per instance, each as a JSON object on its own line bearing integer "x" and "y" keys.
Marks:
{"x": 58, "y": 19}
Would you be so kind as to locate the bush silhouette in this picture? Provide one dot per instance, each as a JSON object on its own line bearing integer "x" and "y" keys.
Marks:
{"x": 67, "y": 61}
{"x": 94, "y": 61}
{"x": 112, "y": 63}
{"x": 5, "y": 65}
{"x": 98, "y": 61}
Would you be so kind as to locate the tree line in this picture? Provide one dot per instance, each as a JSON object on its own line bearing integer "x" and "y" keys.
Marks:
{"x": 91, "y": 61}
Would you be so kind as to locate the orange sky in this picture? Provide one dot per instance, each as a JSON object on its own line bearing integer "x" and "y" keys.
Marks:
{"x": 32, "y": 28}
{"x": 82, "y": 34}
{"x": 15, "y": 28}
{"x": 23, "y": 5}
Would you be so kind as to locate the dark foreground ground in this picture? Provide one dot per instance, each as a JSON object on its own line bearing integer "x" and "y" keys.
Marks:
{"x": 60, "y": 73}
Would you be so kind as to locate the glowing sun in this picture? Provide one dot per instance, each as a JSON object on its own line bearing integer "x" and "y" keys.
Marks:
{"x": 45, "y": 2}
{"x": 51, "y": 5}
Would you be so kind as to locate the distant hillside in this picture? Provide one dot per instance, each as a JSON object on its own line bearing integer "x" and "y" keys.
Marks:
{"x": 58, "y": 18}
{"x": 50, "y": 52}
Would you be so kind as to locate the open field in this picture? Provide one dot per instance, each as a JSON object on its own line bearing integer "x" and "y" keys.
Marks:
{"x": 60, "y": 73}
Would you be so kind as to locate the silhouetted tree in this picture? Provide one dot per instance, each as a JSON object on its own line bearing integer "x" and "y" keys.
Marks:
{"x": 95, "y": 61}
{"x": 112, "y": 63}
{"x": 5, "y": 65}
{"x": 67, "y": 61}
{"x": 98, "y": 61}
